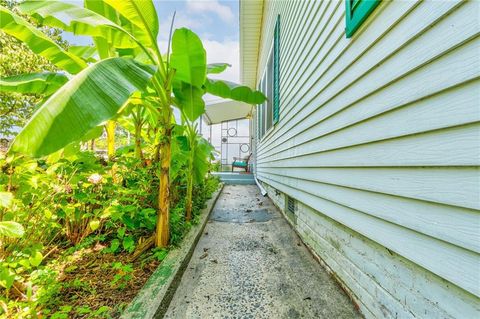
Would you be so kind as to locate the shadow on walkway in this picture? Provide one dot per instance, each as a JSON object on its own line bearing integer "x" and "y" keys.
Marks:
{"x": 249, "y": 263}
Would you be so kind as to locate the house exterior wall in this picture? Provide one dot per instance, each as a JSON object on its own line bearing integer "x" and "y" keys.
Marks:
{"x": 378, "y": 142}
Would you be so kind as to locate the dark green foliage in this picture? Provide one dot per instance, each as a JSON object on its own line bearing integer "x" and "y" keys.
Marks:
{"x": 76, "y": 203}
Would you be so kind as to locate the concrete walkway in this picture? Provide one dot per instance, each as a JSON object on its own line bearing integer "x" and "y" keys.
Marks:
{"x": 250, "y": 264}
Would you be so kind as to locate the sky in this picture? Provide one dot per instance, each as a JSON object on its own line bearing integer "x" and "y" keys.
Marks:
{"x": 215, "y": 21}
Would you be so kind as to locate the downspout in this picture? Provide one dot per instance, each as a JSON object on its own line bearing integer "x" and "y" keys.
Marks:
{"x": 262, "y": 190}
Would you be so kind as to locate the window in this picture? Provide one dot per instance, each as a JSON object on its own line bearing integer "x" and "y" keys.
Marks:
{"x": 268, "y": 113}
{"x": 265, "y": 110}
{"x": 356, "y": 12}
{"x": 261, "y": 112}
{"x": 259, "y": 116}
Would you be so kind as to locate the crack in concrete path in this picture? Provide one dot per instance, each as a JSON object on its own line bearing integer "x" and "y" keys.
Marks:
{"x": 249, "y": 263}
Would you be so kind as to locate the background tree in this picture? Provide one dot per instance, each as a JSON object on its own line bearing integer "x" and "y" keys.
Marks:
{"x": 16, "y": 58}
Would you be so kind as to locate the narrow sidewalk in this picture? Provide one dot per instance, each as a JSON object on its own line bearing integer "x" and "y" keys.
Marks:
{"x": 249, "y": 263}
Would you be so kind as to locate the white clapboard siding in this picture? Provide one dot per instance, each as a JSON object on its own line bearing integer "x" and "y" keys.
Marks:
{"x": 462, "y": 65}
{"x": 452, "y": 224}
{"x": 317, "y": 62}
{"x": 330, "y": 17}
{"x": 354, "y": 251}
{"x": 350, "y": 52}
{"x": 451, "y": 262}
{"x": 346, "y": 93}
{"x": 379, "y": 142}
{"x": 369, "y": 293}
{"x": 454, "y": 106}
{"x": 456, "y": 146}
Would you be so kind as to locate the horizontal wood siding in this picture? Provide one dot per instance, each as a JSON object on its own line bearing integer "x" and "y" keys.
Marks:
{"x": 379, "y": 141}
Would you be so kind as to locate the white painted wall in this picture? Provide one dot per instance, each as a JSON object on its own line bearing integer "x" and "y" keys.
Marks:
{"x": 379, "y": 139}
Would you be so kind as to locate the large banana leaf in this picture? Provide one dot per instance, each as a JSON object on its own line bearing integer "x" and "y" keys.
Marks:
{"x": 78, "y": 20}
{"x": 180, "y": 153}
{"x": 234, "y": 91}
{"x": 87, "y": 100}
{"x": 189, "y": 100}
{"x": 202, "y": 154}
{"x": 38, "y": 42}
{"x": 104, "y": 45}
{"x": 86, "y": 52}
{"x": 103, "y": 9}
{"x": 216, "y": 68}
{"x": 142, "y": 15}
{"x": 188, "y": 58}
{"x": 34, "y": 83}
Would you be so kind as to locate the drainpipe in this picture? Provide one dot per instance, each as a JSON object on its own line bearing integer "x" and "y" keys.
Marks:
{"x": 262, "y": 190}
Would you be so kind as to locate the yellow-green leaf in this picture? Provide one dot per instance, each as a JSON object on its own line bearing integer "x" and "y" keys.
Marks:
{"x": 11, "y": 229}
{"x": 188, "y": 58}
{"x": 94, "y": 224}
{"x": 86, "y": 52}
{"x": 215, "y": 68}
{"x": 237, "y": 92}
{"x": 189, "y": 100}
{"x": 34, "y": 83}
{"x": 76, "y": 19}
{"x": 36, "y": 259}
{"x": 5, "y": 199}
{"x": 143, "y": 17}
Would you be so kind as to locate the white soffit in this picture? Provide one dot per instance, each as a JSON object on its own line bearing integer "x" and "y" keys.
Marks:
{"x": 226, "y": 110}
{"x": 251, "y": 12}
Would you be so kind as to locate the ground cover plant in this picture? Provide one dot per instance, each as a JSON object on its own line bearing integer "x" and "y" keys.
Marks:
{"x": 78, "y": 248}
{"x": 80, "y": 232}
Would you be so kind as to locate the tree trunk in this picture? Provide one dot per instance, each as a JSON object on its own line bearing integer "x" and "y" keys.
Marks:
{"x": 138, "y": 142}
{"x": 110, "y": 128}
{"x": 162, "y": 232}
{"x": 156, "y": 156}
{"x": 189, "y": 197}
{"x": 188, "y": 205}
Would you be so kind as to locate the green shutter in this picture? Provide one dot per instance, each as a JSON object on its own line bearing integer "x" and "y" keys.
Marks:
{"x": 356, "y": 12}
{"x": 276, "y": 72}
{"x": 258, "y": 122}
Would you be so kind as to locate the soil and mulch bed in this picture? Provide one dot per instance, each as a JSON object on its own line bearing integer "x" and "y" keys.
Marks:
{"x": 101, "y": 285}
{"x": 89, "y": 283}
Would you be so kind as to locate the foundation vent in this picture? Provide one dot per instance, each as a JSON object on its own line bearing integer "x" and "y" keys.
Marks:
{"x": 291, "y": 205}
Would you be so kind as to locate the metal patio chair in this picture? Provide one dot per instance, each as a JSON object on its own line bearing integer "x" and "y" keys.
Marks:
{"x": 241, "y": 162}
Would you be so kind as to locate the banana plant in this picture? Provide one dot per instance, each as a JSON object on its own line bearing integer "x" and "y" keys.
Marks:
{"x": 138, "y": 118}
{"x": 192, "y": 140}
{"x": 192, "y": 154}
{"x": 97, "y": 92}
{"x": 190, "y": 101}
{"x": 200, "y": 151}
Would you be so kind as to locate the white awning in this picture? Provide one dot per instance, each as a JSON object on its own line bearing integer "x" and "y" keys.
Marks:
{"x": 226, "y": 110}
{"x": 251, "y": 16}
